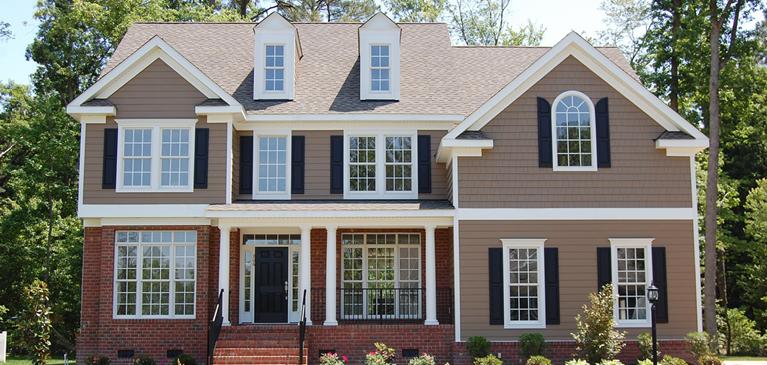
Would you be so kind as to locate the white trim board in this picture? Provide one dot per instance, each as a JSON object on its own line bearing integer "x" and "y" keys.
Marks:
{"x": 548, "y": 214}
{"x": 343, "y": 214}
{"x": 393, "y": 223}
{"x": 354, "y": 117}
{"x": 142, "y": 211}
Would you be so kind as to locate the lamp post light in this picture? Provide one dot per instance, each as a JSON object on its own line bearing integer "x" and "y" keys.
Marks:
{"x": 652, "y": 296}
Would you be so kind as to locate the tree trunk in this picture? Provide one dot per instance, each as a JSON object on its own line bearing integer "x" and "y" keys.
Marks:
{"x": 675, "y": 26}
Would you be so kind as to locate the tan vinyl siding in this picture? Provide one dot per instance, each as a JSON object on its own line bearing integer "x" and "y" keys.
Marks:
{"x": 508, "y": 176}
{"x": 577, "y": 242}
{"x": 317, "y": 166}
{"x": 439, "y": 175}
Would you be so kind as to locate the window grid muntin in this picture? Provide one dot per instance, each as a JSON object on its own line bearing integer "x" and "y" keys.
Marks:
{"x": 153, "y": 292}
{"x": 294, "y": 278}
{"x": 362, "y": 163}
{"x": 137, "y": 157}
{"x": 398, "y": 249}
{"x": 274, "y": 68}
{"x": 573, "y": 132}
{"x": 380, "y": 68}
{"x": 272, "y": 164}
{"x": 399, "y": 163}
{"x": 175, "y": 156}
{"x": 523, "y": 285}
{"x": 631, "y": 283}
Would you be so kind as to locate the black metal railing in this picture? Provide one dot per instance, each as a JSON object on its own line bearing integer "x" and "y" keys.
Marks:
{"x": 302, "y": 331}
{"x": 383, "y": 305}
{"x": 214, "y": 328}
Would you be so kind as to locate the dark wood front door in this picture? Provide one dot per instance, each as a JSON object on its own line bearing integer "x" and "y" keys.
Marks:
{"x": 271, "y": 294}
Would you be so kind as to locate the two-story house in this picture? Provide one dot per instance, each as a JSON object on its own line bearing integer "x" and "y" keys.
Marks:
{"x": 407, "y": 191}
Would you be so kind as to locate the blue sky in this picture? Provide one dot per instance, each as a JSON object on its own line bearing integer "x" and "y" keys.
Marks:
{"x": 13, "y": 64}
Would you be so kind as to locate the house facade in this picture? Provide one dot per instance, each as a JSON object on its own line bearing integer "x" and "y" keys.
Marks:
{"x": 383, "y": 183}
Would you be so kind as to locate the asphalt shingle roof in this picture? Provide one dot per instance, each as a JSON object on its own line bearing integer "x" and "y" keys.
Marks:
{"x": 436, "y": 78}
{"x": 323, "y": 205}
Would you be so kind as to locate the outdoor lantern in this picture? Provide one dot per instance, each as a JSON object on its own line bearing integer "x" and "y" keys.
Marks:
{"x": 652, "y": 293}
{"x": 652, "y": 296}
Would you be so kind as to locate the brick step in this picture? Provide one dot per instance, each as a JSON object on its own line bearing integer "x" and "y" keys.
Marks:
{"x": 258, "y": 351}
{"x": 257, "y": 360}
{"x": 258, "y": 335}
{"x": 247, "y": 343}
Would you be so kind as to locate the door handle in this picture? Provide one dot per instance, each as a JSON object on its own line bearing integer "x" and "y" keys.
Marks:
{"x": 286, "y": 290}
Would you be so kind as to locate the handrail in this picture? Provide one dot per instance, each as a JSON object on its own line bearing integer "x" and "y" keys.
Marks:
{"x": 383, "y": 305}
{"x": 302, "y": 331}
{"x": 214, "y": 327}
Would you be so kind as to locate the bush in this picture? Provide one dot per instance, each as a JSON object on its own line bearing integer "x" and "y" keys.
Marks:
{"x": 576, "y": 362}
{"x": 97, "y": 360}
{"x": 487, "y": 360}
{"x": 738, "y": 334}
{"x": 382, "y": 355}
{"x": 538, "y": 360}
{"x": 611, "y": 362}
{"x": 330, "y": 358}
{"x": 35, "y": 323}
{"x": 478, "y": 347}
{"x": 424, "y": 359}
{"x": 185, "y": 359}
{"x": 532, "y": 344}
{"x": 700, "y": 344}
{"x": 645, "y": 346}
{"x": 597, "y": 339}
{"x": 709, "y": 360}
{"x": 142, "y": 360}
{"x": 670, "y": 360}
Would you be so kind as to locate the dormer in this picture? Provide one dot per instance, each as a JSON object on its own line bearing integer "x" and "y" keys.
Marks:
{"x": 379, "y": 42}
{"x": 277, "y": 51}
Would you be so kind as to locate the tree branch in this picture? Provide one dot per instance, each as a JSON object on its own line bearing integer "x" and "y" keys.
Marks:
{"x": 733, "y": 35}
{"x": 7, "y": 149}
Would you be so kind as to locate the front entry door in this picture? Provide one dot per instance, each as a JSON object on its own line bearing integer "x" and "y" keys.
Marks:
{"x": 271, "y": 289}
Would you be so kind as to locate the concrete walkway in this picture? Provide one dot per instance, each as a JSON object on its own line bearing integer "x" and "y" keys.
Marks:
{"x": 745, "y": 362}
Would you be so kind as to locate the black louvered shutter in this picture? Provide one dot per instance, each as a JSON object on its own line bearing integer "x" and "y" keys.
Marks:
{"x": 246, "y": 165}
{"x": 551, "y": 263}
{"x": 109, "y": 171}
{"x": 659, "y": 279}
{"x": 495, "y": 268}
{"x": 544, "y": 133}
{"x": 297, "y": 164}
{"x": 604, "y": 267}
{"x": 424, "y": 164}
{"x": 603, "y": 133}
{"x": 336, "y": 164}
{"x": 201, "y": 138}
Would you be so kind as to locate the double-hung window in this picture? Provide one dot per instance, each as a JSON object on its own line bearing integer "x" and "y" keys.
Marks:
{"x": 272, "y": 166}
{"x": 381, "y": 166}
{"x": 573, "y": 124}
{"x": 379, "y": 68}
{"x": 155, "y": 274}
{"x": 632, "y": 274}
{"x": 274, "y": 68}
{"x": 155, "y": 156}
{"x": 523, "y": 290}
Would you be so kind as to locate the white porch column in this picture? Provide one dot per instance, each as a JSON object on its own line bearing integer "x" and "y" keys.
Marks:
{"x": 305, "y": 271}
{"x": 330, "y": 278}
{"x": 431, "y": 278}
{"x": 223, "y": 271}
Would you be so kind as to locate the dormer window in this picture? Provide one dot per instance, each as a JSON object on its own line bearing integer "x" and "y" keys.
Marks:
{"x": 379, "y": 68}
{"x": 379, "y": 59}
{"x": 277, "y": 51}
{"x": 275, "y": 68}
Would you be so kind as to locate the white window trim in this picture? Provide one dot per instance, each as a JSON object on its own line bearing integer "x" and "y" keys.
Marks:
{"x": 171, "y": 279}
{"x": 284, "y": 70}
{"x": 616, "y": 243}
{"x": 592, "y": 123}
{"x": 371, "y": 37}
{"x": 274, "y": 37}
{"x": 524, "y": 243}
{"x": 286, "y": 195}
{"x": 380, "y": 192}
{"x": 157, "y": 125}
{"x": 371, "y": 68}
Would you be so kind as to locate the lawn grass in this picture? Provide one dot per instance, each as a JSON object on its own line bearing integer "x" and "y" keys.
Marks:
{"x": 743, "y": 358}
{"x": 22, "y": 360}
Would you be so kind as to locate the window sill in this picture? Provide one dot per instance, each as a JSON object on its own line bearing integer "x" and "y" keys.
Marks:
{"x": 159, "y": 190}
{"x": 524, "y": 325}
{"x": 637, "y": 324}
{"x": 154, "y": 317}
{"x": 575, "y": 168}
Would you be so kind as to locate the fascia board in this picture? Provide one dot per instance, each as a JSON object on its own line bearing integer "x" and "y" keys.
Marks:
{"x": 687, "y": 143}
{"x": 232, "y": 109}
{"x": 461, "y": 147}
{"x": 354, "y": 117}
{"x": 91, "y": 110}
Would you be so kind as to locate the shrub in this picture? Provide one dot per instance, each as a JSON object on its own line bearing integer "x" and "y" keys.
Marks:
{"x": 532, "y": 344}
{"x": 597, "y": 339}
{"x": 487, "y": 360}
{"x": 738, "y": 334}
{"x": 478, "y": 347}
{"x": 670, "y": 360}
{"x": 35, "y": 323}
{"x": 97, "y": 360}
{"x": 538, "y": 360}
{"x": 700, "y": 344}
{"x": 423, "y": 359}
{"x": 382, "y": 355}
{"x": 576, "y": 362}
{"x": 644, "y": 362}
{"x": 185, "y": 359}
{"x": 709, "y": 360}
{"x": 331, "y": 358}
{"x": 142, "y": 360}
{"x": 610, "y": 362}
{"x": 645, "y": 346}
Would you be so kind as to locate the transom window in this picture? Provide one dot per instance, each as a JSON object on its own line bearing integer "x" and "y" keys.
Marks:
{"x": 381, "y": 275}
{"x": 379, "y": 68}
{"x": 275, "y": 68}
{"x": 632, "y": 268}
{"x": 381, "y": 165}
{"x": 524, "y": 294}
{"x": 574, "y": 131}
{"x": 155, "y": 273}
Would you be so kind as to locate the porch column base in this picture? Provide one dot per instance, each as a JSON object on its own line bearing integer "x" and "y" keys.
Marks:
{"x": 329, "y": 323}
{"x": 431, "y": 322}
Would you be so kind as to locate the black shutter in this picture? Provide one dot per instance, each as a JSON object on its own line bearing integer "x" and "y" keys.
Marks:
{"x": 544, "y": 133}
{"x": 495, "y": 268}
{"x": 246, "y": 165}
{"x": 659, "y": 279}
{"x": 603, "y": 133}
{"x": 297, "y": 172}
{"x": 336, "y": 164}
{"x": 201, "y": 138}
{"x": 604, "y": 267}
{"x": 109, "y": 172}
{"x": 424, "y": 164}
{"x": 551, "y": 263}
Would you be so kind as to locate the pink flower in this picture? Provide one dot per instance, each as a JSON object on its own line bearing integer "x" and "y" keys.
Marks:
{"x": 372, "y": 352}
{"x": 344, "y": 357}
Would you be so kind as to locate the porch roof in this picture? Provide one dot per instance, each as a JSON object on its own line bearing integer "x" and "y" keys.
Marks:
{"x": 329, "y": 206}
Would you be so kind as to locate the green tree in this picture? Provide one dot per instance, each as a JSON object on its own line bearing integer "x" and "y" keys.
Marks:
{"x": 35, "y": 325}
{"x": 596, "y": 338}
{"x": 329, "y": 10}
{"x": 5, "y": 31}
{"x": 416, "y": 10}
{"x": 485, "y": 22}
{"x": 626, "y": 21}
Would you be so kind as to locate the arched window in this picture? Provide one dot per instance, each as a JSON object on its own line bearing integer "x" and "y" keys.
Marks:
{"x": 574, "y": 131}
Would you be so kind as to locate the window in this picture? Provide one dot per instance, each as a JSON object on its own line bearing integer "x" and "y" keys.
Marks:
{"x": 574, "y": 132}
{"x": 381, "y": 165}
{"x": 155, "y": 274}
{"x": 381, "y": 275}
{"x": 632, "y": 274}
{"x": 274, "y": 68}
{"x": 524, "y": 293}
{"x": 155, "y": 156}
{"x": 272, "y": 172}
{"x": 379, "y": 68}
